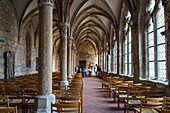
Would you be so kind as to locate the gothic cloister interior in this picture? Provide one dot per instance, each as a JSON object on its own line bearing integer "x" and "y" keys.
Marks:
{"x": 44, "y": 43}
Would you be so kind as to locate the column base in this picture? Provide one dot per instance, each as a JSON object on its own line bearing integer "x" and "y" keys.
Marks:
{"x": 63, "y": 83}
{"x": 167, "y": 90}
{"x": 43, "y": 103}
{"x": 69, "y": 77}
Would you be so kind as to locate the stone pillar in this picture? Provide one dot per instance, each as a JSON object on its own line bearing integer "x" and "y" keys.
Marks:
{"x": 63, "y": 54}
{"x": 112, "y": 57}
{"x": 101, "y": 58}
{"x": 135, "y": 47}
{"x": 167, "y": 35}
{"x": 117, "y": 38}
{"x": 45, "y": 96}
{"x": 122, "y": 60}
{"x": 142, "y": 56}
{"x": 69, "y": 57}
{"x": 72, "y": 60}
{"x": 54, "y": 58}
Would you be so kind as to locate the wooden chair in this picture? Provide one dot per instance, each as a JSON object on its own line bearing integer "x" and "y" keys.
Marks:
{"x": 133, "y": 86}
{"x": 60, "y": 108}
{"x": 15, "y": 94}
{"x": 7, "y": 110}
{"x": 70, "y": 100}
{"x": 133, "y": 99}
{"x": 112, "y": 86}
{"x": 142, "y": 88}
{"x": 155, "y": 94}
{"x": 165, "y": 111}
{"x": 105, "y": 81}
{"x": 58, "y": 94}
{"x": 4, "y": 105}
{"x": 121, "y": 94}
{"x": 149, "y": 105}
{"x": 166, "y": 105}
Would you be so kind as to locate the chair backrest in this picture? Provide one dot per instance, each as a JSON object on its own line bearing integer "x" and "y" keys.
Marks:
{"x": 151, "y": 103}
{"x": 135, "y": 95}
{"x": 72, "y": 107}
{"x": 165, "y": 111}
{"x": 11, "y": 109}
{"x": 73, "y": 93}
{"x": 4, "y": 101}
{"x": 134, "y": 85}
{"x": 166, "y": 104}
{"x": 142, "y": 88}
{"x": 155, "y": 93}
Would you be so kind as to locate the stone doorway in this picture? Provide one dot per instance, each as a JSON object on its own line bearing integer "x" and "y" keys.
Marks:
{"x": 82, "y": 63}
{"x": 9, "y": 63}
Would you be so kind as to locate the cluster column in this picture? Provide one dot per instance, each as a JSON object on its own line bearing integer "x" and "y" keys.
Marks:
{"x": 69, "y": 57}
{"x": 63, "y": 54}
{"x": 45, "y": 96}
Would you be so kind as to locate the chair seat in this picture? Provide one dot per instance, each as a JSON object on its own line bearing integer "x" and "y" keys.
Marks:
{"x": 123, "y": 96}
{"x": 134, "y": 102}
{"x": 112, "y": 88}
{"x": 146, "y": 110}
{"x": 15, "y": 101}
{"x": 29, "y": 101}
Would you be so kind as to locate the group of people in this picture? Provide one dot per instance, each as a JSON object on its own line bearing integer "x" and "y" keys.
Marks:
{"x": 84, "y": 70}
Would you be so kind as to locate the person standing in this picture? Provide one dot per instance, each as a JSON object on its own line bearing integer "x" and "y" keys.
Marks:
{"x": 95, "y": 69}
{"x": 83, "y": 72}
{"x": 90, "y": 71}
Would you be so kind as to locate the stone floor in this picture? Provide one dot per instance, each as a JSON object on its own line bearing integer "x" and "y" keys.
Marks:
{"x": 96, "y": 100}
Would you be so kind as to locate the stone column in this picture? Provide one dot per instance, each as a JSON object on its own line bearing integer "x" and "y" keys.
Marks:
{"x": 101, "y": 58}
{"x": 112, "y": 57}
{"x": 135, "y": 47}
{"x": 69, "y": 57}
{"x": 167, "y": 35}
{"x": 142, "y": 56}
{"x": 63, "y": 54}
{"x": 45, "y": 96}
{"x": 72, "y": 60}
{"x": 117, "y": 38}
{"x": 122, "y": 59}
{"x": 55, "y": 58}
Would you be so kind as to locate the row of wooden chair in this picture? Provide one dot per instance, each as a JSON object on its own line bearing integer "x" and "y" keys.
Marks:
{"x": 22, "y": 90}
{"x": 69, "y": 98}
{"x": 154, "y": 105}
{"x": 128, "y": 92}
{"x": 4, "y": 105}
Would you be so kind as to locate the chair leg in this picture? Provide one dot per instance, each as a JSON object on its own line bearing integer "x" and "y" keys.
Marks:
{"x": 124, "y": 107}
{"x": 111, "y": 94}
{"x": 118, "y": 103}
{"x": 102, "y": 85}
{"x": 134, "y": 111}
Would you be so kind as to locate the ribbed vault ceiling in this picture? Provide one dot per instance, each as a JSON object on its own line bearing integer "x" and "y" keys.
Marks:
{"x": 92, "y": 19}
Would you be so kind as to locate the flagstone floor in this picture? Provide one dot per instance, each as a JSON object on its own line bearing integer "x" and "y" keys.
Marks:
{"x": 96, "y": 100}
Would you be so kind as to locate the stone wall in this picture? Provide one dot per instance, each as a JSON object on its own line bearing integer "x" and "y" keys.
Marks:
{"x": 87, "y": 52}
{"x": 9, "y": 40}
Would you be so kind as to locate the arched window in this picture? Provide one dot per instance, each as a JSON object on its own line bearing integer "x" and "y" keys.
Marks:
{"x": 28, "y": 51}
{"x": 150, "y": 49}
{"x": 115, "y": 57}
{"x": 127, "y": 46}
{"x": 161, "y": 55}
{"x": 156, "y": 45}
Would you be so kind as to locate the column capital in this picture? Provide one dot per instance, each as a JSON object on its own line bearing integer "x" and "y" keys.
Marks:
{"x": 63, "y": 26}
{"x": 69, "y": 40}
{"x": 45, "y": 2}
